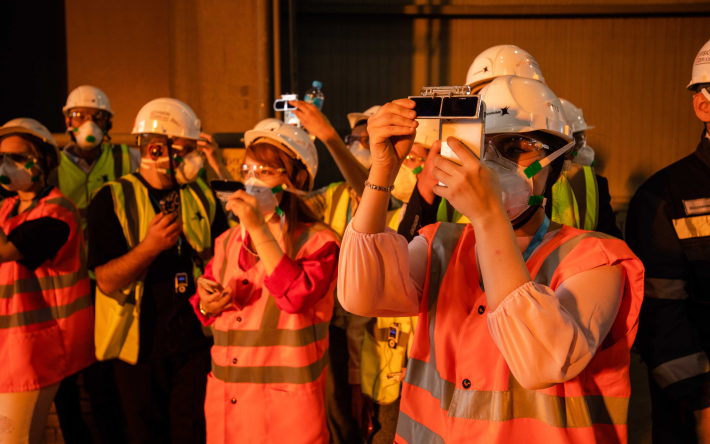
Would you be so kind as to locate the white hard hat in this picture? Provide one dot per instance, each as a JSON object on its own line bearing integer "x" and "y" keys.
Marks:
{"x": 354, "y": 118}
{"x": 86, "y": 96}
{"x": 427, "y": 132}
{"x": 575, "y": 117}
{"x": 701, "y": 67}
{"x": 25, "y": 125}
{"x": 291, "y": 139}
{"x": 167, "y": 116}
{"x": 518, "y": 105}
{"x": 503, "y": 60}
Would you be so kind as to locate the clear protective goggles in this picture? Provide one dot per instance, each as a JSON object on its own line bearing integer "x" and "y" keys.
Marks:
{"x": 79, "y": 116}
{"x": 261, "y": 172}
{"x": 26, "y": 160}
{"x": 513, "y": 151}
{"x": 159, "y": 143}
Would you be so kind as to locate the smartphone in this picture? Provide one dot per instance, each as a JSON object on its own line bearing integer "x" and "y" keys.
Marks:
{"x": 282, "y": 103}
{"x": 224, "y": 189}
{"x": 170, "y": 203}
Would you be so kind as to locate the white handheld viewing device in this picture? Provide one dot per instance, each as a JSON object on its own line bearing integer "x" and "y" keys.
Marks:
{"x": 460, "y": 114}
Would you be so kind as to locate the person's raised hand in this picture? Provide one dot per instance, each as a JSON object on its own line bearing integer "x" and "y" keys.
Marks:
{"x": 313, "y": 120}
{"x": 472, "y": 187}
{"x": 208, "y": 146}
{"x": 247, "y": 209}
{"x": 163, "y": 232}
{"x": 392, "y": 130}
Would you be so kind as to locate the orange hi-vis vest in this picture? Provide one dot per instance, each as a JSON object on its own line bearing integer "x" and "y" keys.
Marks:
{"x": 458, "y": 387}
{"x": 268, "y": 366}
{"x": 46, "y": 315}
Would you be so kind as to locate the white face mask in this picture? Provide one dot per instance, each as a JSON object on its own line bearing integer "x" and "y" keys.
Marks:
{"x": 362, "y": 154}
{"x": 189, "y": 168}
{"x": 15, "y": 177}
{"x": 88, "y": 136}
{"x": 404, "y": 183}
{"x": 516, "y": 186}
{"x": 585, "y": 156}
{"x": 266, "y": 198}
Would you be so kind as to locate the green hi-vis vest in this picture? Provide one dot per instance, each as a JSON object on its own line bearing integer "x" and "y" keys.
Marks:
{"x": 114, "y": 162}
{"x": 583, "y": 180}
{"x": 564, "y": 203}
{"x": 384, "y": 356}
{"x": 575, "y": 198}
{"x": 338, "y": 209}
{"x": 116, "y": 333}
{"x": 447, "y": 213}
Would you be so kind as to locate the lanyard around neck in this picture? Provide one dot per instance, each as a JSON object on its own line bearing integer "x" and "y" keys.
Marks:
{"x": 537, "y": 239}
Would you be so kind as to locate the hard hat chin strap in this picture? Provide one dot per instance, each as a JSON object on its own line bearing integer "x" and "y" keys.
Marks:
{"x": 704, "y": 91}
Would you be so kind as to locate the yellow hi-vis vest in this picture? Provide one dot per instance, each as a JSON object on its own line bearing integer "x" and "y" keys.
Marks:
{"x": 446, "y": 213}
{"x": 564, "y": 203}
{"x": 583, "y": 180}
{"x": 113, "y": 162}
{"x": 116, "y": 331}
{"x": 338, "y": 206}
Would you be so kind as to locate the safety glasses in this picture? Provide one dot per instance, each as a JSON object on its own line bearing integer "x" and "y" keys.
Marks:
{"x": 262, "y": 172}
{"x": 20, "y": 159}
{"x": 364, "y": 140}
{"x": 513, "y": 148}
{"x": 159, "y": 143}
{"x": 97, "y": 116}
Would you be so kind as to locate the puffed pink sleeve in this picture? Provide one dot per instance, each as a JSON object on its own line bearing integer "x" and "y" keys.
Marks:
{"x": 380, "y": 274}
{"x": 548, "y": 337}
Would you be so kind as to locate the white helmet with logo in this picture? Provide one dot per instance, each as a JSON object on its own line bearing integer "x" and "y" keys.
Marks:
{"x": 701, "y": 67}
{"x": 518, "y": 105}
{"x": 169, "y": 117}
{"x": 25, "y": 125}
{"x": 503, "y": 60}
{"x": 575, "y": 117}
{"x": 354, "y": 118}
{"x": 292, "y": 140}
{"x": 427, "y": 132}
{"x": 86, "y": 96}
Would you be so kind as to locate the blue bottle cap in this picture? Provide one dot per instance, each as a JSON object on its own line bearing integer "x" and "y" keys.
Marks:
{"x": 317, "y": 84}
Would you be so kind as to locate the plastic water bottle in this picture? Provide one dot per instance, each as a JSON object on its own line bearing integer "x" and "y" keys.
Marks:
{"x": 315, "y": 95}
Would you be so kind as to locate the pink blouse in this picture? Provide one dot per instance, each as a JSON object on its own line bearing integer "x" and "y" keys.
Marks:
{"x": 381, "y": 275}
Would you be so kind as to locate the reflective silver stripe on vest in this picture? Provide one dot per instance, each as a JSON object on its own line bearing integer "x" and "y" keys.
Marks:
{"x": 269, "y": 338}
{"x": 271, "y": 374}
{"x": 655, "y": 288}
{"x": 131, "y": 211}
{"x": 45, "y": 314}
{"x": 557, "y": 411}
{"x": 681, "y": 368}
{"x": 416, "y": 432}
{"x": 553, "y": 260}
{"x": 422, "y": 374}
{"x": 35, "y": 284}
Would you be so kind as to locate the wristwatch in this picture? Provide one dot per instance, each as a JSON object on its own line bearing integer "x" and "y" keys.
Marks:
{"x": 203, "y": 312}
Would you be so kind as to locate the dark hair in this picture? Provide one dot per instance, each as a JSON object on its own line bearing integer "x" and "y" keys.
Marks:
{"x": 294, "y": 208}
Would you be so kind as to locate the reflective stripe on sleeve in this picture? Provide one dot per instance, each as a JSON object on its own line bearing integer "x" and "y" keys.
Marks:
{"x": 680, "y": 369}
{"x": 691, "y": 227}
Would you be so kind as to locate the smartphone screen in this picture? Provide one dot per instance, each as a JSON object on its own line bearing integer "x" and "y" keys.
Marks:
{"x": 459, "y": 106}
{"x": 223, "y": 189}
{"x": 427, "y": 106}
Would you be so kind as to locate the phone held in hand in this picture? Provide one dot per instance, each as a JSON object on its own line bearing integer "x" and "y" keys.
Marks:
{"x": 224, "y": 189}
{"x": 170, "y": 203}
{"x": 460, "y": 114}
{"x": 209, "y": 285}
